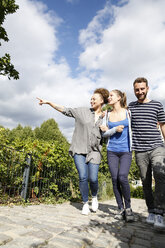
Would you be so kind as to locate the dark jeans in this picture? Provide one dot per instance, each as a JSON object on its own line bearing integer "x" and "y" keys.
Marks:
{"x": 119, "y": 165}
{"x": 87, "y": 171}
{"x": 148, "y": 162}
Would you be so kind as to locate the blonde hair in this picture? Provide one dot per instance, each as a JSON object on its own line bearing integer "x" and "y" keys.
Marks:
{"x": 123, "y": 99}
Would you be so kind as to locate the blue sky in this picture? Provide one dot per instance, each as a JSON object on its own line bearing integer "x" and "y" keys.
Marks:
{"x": 65, "y": 49}
{"x": 75, "y": 14}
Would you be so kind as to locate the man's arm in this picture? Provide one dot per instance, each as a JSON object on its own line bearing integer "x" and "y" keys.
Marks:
{"x": 162, "y": 127}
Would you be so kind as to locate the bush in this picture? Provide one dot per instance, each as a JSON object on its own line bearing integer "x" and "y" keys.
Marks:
{"x": 137, "y": 192}
{"x": 105, "y": 187}
{"x": 52, "y": 170}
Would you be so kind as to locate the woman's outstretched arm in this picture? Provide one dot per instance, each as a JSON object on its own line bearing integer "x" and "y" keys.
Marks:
{"x": 53, "y": 105}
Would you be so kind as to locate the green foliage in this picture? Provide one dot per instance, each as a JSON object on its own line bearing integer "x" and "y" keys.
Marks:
{"x": 134, "y": 173}
{"x": 53, "y": 175}
{"x": 3, "y": 136}
{"x": 105, "y": 187}
{"x": 6, "y": 7}
{"x": 137, "y": 192}
{"x": 21, "y": 133}
{"x": 104, "y": 169}
{"x": 11, "y": 167}
{"x": 49, "y": 131}
{"x": 107, "y": 107}
{"x": 6, "y": 67}
{"x": 52, "y": 171}
{"x": 104, "y": 177}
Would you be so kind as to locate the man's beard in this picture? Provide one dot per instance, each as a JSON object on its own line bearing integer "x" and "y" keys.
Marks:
{"x": 142, "y": 97}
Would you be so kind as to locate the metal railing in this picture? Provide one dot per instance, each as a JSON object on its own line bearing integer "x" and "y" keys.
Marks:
{"x": 25, "y": 176}
{"x": 25, "y": 181}
{"x": 11, "y": 172}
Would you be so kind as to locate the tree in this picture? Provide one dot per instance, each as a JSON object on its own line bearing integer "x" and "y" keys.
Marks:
{"x": 22, "y": 133}
{"x": 6, "y": 67}
{"x": 49, "y": 131}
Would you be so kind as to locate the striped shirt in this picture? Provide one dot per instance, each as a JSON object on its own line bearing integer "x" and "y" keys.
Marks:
{"x": 144, "y": 119}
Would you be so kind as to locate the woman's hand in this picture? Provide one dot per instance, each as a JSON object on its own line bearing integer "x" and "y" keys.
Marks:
{"x": 41, "y": 101}
{"x": 104, "y": 113}
{"x": 53, "y": 105}
{"x": 104, "y": 128}
{"x": 119, "y": 128}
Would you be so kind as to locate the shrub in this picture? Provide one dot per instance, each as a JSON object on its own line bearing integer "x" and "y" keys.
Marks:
{"x": 137, "y": 192}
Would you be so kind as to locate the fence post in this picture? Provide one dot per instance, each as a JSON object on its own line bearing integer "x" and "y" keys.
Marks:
{"x": 26, "y": 176}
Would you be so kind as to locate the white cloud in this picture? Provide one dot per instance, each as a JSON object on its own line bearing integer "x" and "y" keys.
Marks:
{"x": 93, "y": 33}
{"x": 131, "y": 46}
{"x": 72, "y": 1}
{"x": 120, "y": 43}
{"x": 33, "y": 45}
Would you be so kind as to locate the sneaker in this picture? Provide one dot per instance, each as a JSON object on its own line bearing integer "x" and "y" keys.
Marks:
{"x": 129, "y": 216}
{"x": 95, "y": 204}
{"x": 151, "y": 218}
{"x": 120, "y": 214}
{"x": 159, "y": 222}
{"x": 85, "y": 209}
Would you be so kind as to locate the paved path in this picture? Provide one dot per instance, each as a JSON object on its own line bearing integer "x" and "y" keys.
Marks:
{"x": 63, "y": 226}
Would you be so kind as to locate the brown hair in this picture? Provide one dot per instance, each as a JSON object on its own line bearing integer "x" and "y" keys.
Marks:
{"x": 104, "y": 93}
{"x": 140, "y": 80}
{"x": 123, "y": 100}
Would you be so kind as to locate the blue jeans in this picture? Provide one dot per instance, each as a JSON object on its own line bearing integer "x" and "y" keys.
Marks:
{"x": 87, "y": 171}
{"x": 119, "y": 165}
{"x": 148, "y": 162}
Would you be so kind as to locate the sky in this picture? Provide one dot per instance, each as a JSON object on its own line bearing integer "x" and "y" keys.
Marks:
{"x": 65, "y": 49}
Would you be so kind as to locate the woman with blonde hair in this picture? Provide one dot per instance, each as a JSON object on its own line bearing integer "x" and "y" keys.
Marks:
{"x": 119, "y": 152}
